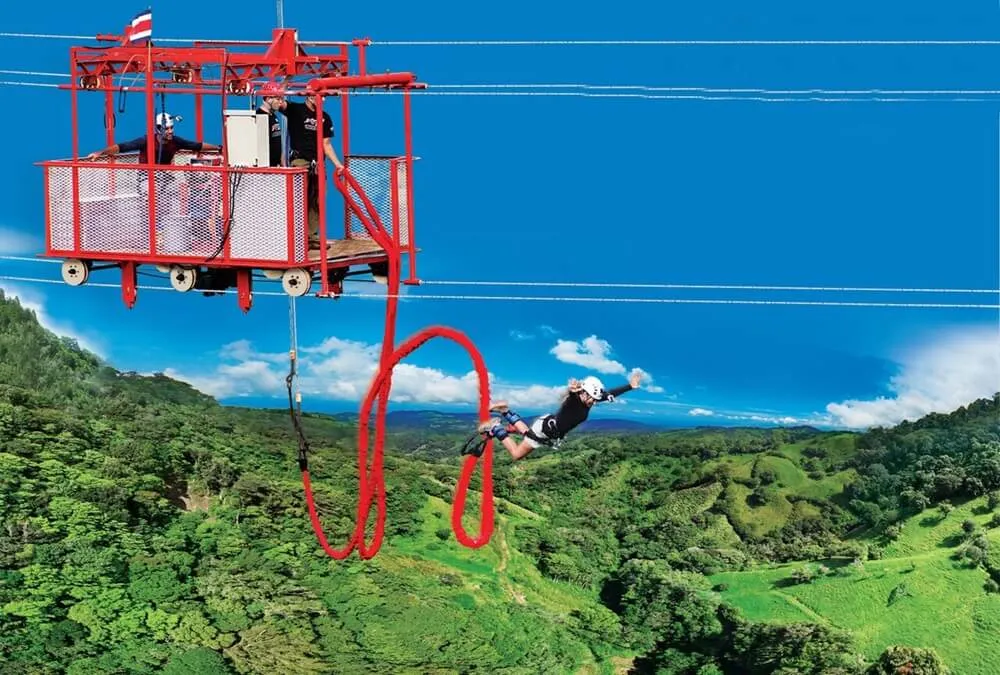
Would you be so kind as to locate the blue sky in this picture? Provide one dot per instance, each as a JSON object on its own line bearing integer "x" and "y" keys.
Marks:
{"x": 573, "y": 189}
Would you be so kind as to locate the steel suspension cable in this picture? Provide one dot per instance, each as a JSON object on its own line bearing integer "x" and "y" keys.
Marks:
{"x": 541, "y": 298}
{"x": 650, "y": 286}
{"x": 780, "y": 96}
{"x": 730, "y": 287}
{"x": 554, "y": 42}
{"x": 543, "y": 86}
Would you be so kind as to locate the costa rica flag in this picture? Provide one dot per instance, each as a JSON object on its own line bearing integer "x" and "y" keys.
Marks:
{"x": 140, "y": 29}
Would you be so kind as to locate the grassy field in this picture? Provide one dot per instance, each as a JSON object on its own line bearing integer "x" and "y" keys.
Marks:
{"x": 916, "y": 595}
{"x": 791, "y": 485}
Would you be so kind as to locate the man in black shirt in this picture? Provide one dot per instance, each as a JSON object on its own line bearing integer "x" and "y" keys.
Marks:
{"x": 302, "y": 122}
{"x": 550, "y": 429}
{"x": 166, "y": 144}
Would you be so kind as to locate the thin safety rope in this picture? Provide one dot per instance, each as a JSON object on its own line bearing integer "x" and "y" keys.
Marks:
{"x": 970, "y": 98}
{"x": 721, "y": 94}
{"x": 705, "y": 90}
{"x": 490, "y": 87}
{"x": 293, "y": 324}
{"x": 727, "y": 287}
{"x": 9, "y": 83}
{"x": 562, "y": 42}
{"x": 697, "y": 97}
{"x": 676, "y": 43}
{"x": 651, "y": 286}
{"x": 166, "y": 40}
{"x": 533, "y": 298}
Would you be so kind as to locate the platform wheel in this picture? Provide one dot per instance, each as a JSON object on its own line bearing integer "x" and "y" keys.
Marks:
{"x": 183, "y": 279}
{"x": 75, "y": 272}
{"x": 296, "y": 282}
{"x": 273, "y": 274}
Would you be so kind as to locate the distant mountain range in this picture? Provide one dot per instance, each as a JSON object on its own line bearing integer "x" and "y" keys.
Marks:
{"x": 404, "y": 420}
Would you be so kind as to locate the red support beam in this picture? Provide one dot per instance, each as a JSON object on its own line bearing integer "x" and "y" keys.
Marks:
{"x": 350, "y": 81}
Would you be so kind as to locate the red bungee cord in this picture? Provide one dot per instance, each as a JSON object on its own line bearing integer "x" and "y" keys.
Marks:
{"x": 373, "y": 485}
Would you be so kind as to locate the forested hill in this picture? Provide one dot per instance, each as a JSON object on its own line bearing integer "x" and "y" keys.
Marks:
{"x": 146, "y": 529}
{"x": 452, "y": 422}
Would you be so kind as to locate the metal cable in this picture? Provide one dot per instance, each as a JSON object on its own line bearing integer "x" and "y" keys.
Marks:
{"x": 535, "y": 298}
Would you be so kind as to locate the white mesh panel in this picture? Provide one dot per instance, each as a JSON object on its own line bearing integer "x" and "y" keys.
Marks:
{"x": 402, "y": 204}
{"x": 299, "y": 209}
{"x": 114, "y": 211}
{"x": 259, "y": 217}
{"x": 372, "y": 175}
{"x": 60, "y": 207}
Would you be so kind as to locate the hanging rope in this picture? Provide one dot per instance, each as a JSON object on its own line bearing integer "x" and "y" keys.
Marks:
{"x": 371, "y": 482}
{"x": 375, "y": 485}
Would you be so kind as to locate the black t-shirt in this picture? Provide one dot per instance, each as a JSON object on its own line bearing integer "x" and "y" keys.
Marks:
{"x": 163, "y": 153}
{"x": 274, "y": 125}
{"x": 302, "y": 130}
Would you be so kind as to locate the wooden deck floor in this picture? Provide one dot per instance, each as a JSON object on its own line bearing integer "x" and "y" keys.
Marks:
{"x": 345, "y": 249}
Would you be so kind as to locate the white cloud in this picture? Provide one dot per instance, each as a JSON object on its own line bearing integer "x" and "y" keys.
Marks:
{"x": 938, "y": 376}
{"x": 14, "y": 242}
{"x": 342, "y": 370}
{"x": 35, "y": 301}
{"x": 782, "y": 420}
{"x": 593, "y": 353}
{"x": 520, "y": 335}
{"x": 241, "y": 350}
{"x": 535, "y": 396}
{"x": 776, "y": 419}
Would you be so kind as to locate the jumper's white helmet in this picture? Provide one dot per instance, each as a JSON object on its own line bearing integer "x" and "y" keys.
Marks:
{"x": 166, "y": 120}
{"x": 593, "y": 387}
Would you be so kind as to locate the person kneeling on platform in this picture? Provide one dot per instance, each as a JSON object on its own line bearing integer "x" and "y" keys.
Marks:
{"x": 550, "y": 429}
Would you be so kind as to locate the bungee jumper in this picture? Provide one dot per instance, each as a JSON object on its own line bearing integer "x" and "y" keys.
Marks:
{"x": 550, "y": 429}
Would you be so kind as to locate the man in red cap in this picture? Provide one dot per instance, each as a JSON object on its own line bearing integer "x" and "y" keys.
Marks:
{"x": 269, "y": 92}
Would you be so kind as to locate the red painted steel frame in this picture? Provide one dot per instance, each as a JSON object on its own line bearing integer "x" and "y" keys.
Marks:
{"x": 179, "y": 70}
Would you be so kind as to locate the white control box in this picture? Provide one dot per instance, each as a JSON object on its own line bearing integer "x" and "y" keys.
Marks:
{"x": 247, "y": 138}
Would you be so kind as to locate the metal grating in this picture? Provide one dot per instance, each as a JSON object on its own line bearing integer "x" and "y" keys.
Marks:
{"x": 191, "y": 207}
{"x": 373, "y": 175}
{"x": 259, "y": 224}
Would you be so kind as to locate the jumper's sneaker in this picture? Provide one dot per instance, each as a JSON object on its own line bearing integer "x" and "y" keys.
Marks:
{"x": 493, "y": 427}
{"x": 499, "y": 407}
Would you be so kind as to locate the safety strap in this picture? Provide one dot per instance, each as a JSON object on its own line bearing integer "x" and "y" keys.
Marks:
{"x": 295, "y": 409}
{"x": 475, "y": 444}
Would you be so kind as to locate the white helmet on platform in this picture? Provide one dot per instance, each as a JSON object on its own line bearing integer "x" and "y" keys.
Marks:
{"x": 593, "y": 386}
{"x": 166, "y": 120}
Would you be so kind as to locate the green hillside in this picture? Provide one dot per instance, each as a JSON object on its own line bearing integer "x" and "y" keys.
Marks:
{"x": 146, "y": 529}
{"x": 931, "y": 587}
